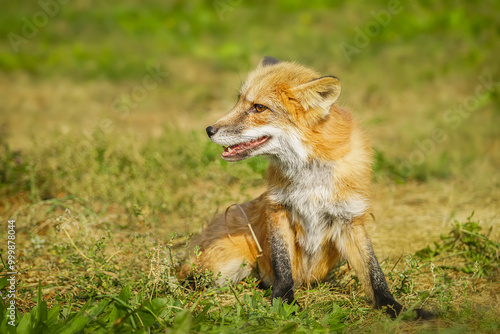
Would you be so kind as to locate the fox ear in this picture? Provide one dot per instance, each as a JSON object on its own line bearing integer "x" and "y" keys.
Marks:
{"x": 321, "y": 92}
{"x": 267, "y": 60}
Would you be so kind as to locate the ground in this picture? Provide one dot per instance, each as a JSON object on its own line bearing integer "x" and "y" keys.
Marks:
{"x": 103, "y": 156}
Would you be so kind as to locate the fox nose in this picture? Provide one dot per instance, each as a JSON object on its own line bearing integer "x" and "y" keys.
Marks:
{"x": 211, "y": 131}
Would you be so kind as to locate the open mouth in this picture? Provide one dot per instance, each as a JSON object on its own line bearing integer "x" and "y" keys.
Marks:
{"x": 239, "y": 150}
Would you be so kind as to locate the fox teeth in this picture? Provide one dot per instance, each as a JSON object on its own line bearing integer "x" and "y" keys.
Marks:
{"x": 229, "y": 150}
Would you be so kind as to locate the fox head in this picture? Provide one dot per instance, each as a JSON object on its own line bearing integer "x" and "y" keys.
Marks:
{"x": 280, "y": 105}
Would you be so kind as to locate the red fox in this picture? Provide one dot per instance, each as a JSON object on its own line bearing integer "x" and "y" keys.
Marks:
{"x": 316, "y": 204}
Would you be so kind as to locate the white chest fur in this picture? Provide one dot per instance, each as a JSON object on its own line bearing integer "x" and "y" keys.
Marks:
{"x": 311, "y": 197}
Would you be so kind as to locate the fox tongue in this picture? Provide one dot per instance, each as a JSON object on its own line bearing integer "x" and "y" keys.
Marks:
{"x": 236, "y": 149}
{"x": 233, "y": 150}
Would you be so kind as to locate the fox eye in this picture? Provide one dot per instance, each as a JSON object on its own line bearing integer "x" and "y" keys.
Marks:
{"x": 259, "y": 107}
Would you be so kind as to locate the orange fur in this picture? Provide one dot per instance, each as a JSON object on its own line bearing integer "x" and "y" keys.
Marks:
{"x": 319, "y": 180}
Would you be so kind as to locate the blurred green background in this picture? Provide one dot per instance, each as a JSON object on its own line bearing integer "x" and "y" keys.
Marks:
{"x": 114, "y": 40}
{"x": 103, "y": 106}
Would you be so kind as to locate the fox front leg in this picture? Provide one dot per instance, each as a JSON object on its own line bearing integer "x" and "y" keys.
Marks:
{"x": 281, "y": 255}
{"x": 356, "y": 247}
{"x": 383, "y": 297}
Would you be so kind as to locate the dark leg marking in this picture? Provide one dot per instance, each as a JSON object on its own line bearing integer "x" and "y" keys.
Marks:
{"x": 282, "y": 268}
{"x": 383, "y": 297}
{"x": 381, "y": 294}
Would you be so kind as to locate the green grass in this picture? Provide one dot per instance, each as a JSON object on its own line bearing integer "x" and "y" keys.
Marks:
{"x": 155, "y": 302}
{"x": 478, "y": 252}
{"x": 104, "y": 202}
